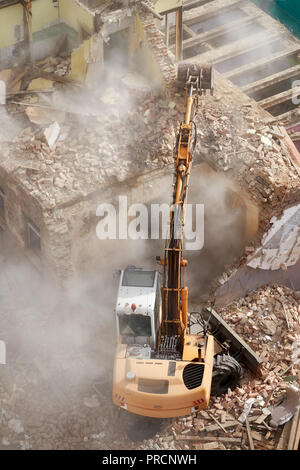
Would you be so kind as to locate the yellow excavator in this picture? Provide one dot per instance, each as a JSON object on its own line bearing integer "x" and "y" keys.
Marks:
{"x": 168, "y": 361}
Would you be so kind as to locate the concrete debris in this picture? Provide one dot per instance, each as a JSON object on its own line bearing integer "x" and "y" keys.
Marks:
{"x": 90, "y": 150}
{"x": 281, "y": 244}
{"x": 2, "y": 92}
{"x": 101, "y": 435}
{"x": 91, "y": 402}
{"x": 283, "y": 412}
{"x": 51, "y": 134}
{"x": 16, "y": 426}
{"x": 135, "y": 81}
{"x": 247, "y": 407}
{"x": 43, "y": 116}
{"x": 296, "y": 351}
{"x": 2, "y": 353}
{"x": 255, "y": 398}
{"x": 113, "y": 137}
{"x": 266, "y": 141}
{"x": 110, "y": 97}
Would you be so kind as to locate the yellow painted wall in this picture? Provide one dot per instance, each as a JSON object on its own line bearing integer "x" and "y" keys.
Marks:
{"x": 9, "y": 17}
{"x": 83, "y": 59}
{"x": 164, "y": 5}
{"x": 43, "y": 14}
{"x": 142, "y": 55}
{"x": 76, "y": 15}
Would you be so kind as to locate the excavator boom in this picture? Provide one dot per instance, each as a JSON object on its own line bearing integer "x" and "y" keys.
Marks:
{"x": 174, "y": 291}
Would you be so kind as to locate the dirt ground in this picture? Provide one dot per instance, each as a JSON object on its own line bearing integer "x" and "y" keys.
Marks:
{"x": 55, "y": 390}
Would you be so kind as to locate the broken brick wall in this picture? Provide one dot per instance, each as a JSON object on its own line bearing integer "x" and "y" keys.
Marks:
{"x": 18, "y": 207}
{"x": 155, "y": 41}
{"x": 21, "y": 208}
{"x": 89, "y": 254}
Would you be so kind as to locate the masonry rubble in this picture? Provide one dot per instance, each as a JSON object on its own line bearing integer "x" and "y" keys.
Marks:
{"x": 237, "y": 143}
{"x": 92, "y": 145}
{"x": 261, "y": 320}
{"x": 110, "y": 135}
{"x": 121, "y": 134}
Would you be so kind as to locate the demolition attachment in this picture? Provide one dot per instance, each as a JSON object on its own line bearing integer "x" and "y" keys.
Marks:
{"x": 202, "y": 77}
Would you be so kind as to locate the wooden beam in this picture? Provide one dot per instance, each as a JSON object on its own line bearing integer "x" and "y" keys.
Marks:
{"x": 293, "y": 153}
{"x": 189, "y": 4}
{"x": 292, "y": 115}
{"x": 167, "y": 30}
{"x": 204, "y": 12}
{"x": 294, "y": 432}
{"x": 208, "y": 439}
{"x": 279, "y": 98}
{"x": 249, "y": 434}
{"x": 214, "y": 33}
{"x": 297, "y": 435}
{"x": 253, "y": 66}
{"x": 234, "y": 49}
{"x": 283, "y": 440}
{"x": 271, "y": 80}
{"x": 151, "y": 10}
{"x": 8, "y": 3}
{"x": 189, "y": 31}
{"x": 179, "y": 35}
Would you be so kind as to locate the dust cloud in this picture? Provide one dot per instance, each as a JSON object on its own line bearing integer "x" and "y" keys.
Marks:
{"x": 9, "y": 127}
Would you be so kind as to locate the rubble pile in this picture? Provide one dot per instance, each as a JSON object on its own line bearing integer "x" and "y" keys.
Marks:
{"x": 74, "y": 146}
{"x": 242, "y": 145}
{"x": 113, "y": 148}
{"x": 59, "y": 65}
{"x": 41, "y": 409}
{"x": 66, "y": 420}
{"x": 74, "y": 141}
{"x": 268, "y": 320}
{"x": 65, "y": 152}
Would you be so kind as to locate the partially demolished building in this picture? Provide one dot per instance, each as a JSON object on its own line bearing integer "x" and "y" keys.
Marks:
{"x": 90, "y": 112}
{"x": 50, "y": 190}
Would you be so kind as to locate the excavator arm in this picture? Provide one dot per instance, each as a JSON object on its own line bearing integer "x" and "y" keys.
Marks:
{"x": 195, "y": 79}
{"x": 162, "y": 368}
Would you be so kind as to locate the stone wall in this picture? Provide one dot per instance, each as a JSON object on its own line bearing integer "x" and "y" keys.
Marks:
{"x": 157, "y": 45}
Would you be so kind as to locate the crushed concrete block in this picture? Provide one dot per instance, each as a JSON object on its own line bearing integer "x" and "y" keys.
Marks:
{"x": 266, "y": 141}
{"x": 91, "y": 402}
{"x": 284, "y": 412}
{"x": 110, "y": 96}
{"x": 59, "y": 182}
{"x": 51, "y": 134}
{"x": 2, "y": 92}
{"x": 296, "y": 349}
{"x": 2, "y": 352}
{"x": 268, "y": 326}
{"x": 136, "y": 81}
{"x": 16, "y": 425}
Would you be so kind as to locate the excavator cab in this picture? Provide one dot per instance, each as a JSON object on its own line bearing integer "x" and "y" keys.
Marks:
{"x": 138, "y": 307}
